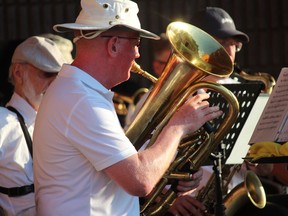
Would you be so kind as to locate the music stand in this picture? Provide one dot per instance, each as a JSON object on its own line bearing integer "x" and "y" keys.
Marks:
{"x": 246, "y": 94}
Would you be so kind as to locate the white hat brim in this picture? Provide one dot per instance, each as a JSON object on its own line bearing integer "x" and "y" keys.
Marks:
{"x": 76, "y": 26}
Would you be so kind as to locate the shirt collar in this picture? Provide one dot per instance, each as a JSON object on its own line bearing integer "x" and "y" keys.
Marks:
{"x": 77, "y": 73}
{"x": 24, "y": 108}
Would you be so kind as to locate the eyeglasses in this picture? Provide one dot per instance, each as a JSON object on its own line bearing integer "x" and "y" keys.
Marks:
{"x": 138, "y": 39}
{"x": 230, "y": 42}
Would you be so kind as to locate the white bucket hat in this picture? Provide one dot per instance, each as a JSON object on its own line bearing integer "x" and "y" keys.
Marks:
{"x": 104, "y": 14}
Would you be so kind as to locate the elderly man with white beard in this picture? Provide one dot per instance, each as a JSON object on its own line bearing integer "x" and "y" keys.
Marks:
{"x": 34, "y": 65}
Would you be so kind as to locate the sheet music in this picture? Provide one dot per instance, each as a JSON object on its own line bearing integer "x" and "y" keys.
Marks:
{"x": 241, "y": 146}
{"x": 273, "y": 123}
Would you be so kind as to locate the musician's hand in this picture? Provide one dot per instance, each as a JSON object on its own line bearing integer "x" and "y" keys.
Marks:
{"x": 187, "y": 187}
{"x": 193, "y": 114}
{"x": 186, "y": 205}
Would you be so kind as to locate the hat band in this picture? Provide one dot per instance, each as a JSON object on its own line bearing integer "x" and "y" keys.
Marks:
{"x": 88, "y": 36}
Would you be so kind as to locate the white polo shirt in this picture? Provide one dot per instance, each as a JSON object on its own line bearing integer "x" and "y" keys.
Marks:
{"x": 77, "y": 135}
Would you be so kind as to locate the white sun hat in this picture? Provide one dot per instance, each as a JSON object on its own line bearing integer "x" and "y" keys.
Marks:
{"x": 104, "y": 14}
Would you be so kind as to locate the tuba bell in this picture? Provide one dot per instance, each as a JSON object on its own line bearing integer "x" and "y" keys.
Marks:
{"x": 195, "y": 56}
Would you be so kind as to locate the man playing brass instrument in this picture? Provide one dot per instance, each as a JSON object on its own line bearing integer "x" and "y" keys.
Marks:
{"x": 83, "y": 162}
{"x": 219, "y": 24}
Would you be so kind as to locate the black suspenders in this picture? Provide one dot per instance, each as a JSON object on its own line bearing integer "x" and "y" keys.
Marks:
{"x": 20, "y": 191}
{"x": 24, "y": 129}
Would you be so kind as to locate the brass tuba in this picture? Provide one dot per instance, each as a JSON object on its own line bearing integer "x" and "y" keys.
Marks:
{"x": 195, "y": 56}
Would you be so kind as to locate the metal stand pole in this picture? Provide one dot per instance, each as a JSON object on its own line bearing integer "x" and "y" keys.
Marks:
{"x": 219, "y": 206}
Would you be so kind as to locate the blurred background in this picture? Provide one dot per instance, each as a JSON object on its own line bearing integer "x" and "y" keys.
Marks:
{"x": 265, "y": 21}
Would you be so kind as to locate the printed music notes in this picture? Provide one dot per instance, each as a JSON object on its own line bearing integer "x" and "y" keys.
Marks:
{"x": 273, "y": 122}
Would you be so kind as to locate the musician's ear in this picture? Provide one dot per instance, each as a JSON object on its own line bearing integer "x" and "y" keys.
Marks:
{"x": 112, "y": 46}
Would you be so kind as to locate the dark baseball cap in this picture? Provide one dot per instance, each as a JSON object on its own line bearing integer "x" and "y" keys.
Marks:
{"x": 217, "y": 22}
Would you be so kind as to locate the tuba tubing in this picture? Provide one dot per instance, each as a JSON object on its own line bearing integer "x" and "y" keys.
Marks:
{"x": 267, "y": 79}
{"x": 189, "y": 153}
{"x": 195, "y": 56}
